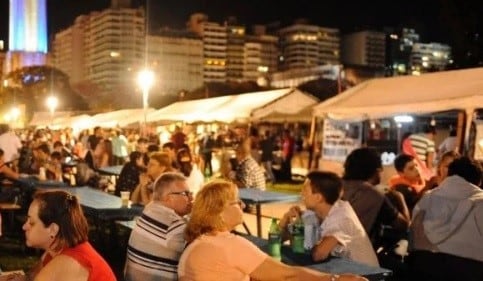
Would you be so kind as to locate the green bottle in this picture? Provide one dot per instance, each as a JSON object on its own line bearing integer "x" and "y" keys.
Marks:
{"x": 275, "y": 240}
{"x": 298, "y": 236}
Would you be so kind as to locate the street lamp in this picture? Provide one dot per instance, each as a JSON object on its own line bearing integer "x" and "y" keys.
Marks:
{"x": 52, "y": 103}
{"x": 145, "y": 81}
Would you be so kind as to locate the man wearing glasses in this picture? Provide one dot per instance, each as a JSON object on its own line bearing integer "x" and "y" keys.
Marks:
{"x": 157, "y": 240}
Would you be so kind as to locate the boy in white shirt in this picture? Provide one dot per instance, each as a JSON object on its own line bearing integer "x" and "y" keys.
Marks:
{"x": 341, "y": 233}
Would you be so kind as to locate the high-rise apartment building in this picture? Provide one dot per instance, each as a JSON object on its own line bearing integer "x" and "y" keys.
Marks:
{"x": 115, "y": 47}
{"x": 303, "y": 45}
{"x": 364, "y": 48}
{"x": 430, "y": 57}
{"x": 399, "y": 45}
{"x": 260, "y": 55}
{"x": 27, "y": 41}
{"x": 215, "y": 41}
{"x": 234, "y": 51}
{"x": 68, "y": 52}
{"x": 104, "y": 47}
{"x": 177, "y": 59}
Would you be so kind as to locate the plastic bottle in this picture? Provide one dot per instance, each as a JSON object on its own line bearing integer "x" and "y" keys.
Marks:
{"x": 275, "y": 240}
{"x": 298, "y": 233}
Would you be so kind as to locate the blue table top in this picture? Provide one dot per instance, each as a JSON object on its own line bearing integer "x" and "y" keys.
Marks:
{"x": 257, "y": 196}
{"x": 111, "y": 170}
{"x": 101, "y": 204}
{"x": 33, "y": 181}
{"x": 332, "y": 265}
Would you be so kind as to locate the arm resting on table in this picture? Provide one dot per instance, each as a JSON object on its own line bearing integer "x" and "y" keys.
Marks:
{"x": 322, "y": 249}
{"x": 271, "y": 269}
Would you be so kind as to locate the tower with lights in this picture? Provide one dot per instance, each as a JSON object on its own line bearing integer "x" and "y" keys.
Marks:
{"x": 27, "y": 41}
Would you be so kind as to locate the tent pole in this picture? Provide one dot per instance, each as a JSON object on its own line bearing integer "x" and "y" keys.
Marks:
{"x": 467, "y": 120}
{"x": 313, "y": 127}
{"x": 460, "y": 131}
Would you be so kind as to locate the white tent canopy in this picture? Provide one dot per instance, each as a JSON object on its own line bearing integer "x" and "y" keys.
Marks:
{"x": 79, "y": 122}
{"x": 46, "y": 119}
{"x": 384, "y": 97}
{"x": 244, "y": 107}
{"x": 119, "y": 118}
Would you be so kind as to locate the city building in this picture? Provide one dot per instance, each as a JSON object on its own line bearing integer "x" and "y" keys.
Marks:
{"x": 27, "y": 41}
{"x": 104, "y": 47}
{"x": 399, "y": 45}
{"x": 234, "y": 50}
{"x": 364, "y": 48}
{"x": 430, "y": 57}
{"x": 406, "y": 54}
{"x": 68, "y": 51}
{"x": 303, "y": 45}
{"x": 260, "y": 56}
{"x": 177, "y": 59}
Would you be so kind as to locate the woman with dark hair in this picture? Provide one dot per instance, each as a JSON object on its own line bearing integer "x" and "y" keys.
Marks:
{"x": 129, "y": 176}
{"x": 56, "y": 224}
{"x": 193, "y": 175}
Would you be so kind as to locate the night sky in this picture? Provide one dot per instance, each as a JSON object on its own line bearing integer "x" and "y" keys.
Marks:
{"x": 445, "y": 21}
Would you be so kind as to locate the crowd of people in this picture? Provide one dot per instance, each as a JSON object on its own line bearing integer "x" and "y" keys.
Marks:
{"x": 186, "y": 229}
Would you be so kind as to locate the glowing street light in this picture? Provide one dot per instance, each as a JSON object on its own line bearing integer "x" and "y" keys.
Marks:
{"x": 52, "y": 103}
{"x": 145, "y": 81}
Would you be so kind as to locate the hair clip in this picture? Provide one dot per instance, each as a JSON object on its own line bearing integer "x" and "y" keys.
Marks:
{"x": 70, "y": 197}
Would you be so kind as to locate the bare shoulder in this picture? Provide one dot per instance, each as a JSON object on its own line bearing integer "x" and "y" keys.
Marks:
{"x": 63, "y": 267}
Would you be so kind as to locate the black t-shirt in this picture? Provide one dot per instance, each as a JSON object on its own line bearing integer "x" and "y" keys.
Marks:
{"x": 128, "y": 178}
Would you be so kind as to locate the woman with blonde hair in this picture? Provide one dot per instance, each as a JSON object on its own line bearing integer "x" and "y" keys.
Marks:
{"x": 214, "y": 253}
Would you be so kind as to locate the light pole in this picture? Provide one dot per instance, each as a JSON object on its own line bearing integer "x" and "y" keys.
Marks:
{"x": 52, "y": 103}
{"x": 145, "y": 81}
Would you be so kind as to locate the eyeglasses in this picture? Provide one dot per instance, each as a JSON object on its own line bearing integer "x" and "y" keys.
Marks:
{"x": 186, "y": 193}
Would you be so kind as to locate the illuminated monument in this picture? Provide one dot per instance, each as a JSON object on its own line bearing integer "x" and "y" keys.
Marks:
{"x": 27, "y": 41}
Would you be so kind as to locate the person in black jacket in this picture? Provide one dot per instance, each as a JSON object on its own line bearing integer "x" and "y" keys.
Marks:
{"x": 129, "y": 176}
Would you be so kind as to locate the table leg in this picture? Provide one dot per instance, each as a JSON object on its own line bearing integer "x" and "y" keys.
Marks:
{"x": 259, "y": 220}
{"x": 247, "y": 229}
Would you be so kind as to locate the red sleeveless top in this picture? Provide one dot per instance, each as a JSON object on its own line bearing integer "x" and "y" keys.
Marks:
{"x": 88, "y": 257}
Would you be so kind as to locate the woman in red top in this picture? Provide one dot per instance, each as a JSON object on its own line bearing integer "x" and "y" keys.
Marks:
{"x": 56, "y": 224}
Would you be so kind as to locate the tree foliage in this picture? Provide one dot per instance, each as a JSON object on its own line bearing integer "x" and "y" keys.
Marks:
{"x": 33, "y": 84}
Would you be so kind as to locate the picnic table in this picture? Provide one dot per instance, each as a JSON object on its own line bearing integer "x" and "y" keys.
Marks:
{"x": 111, "y": 170}
{"x": 334, "y": 265}
{"x": 258, "y": 197}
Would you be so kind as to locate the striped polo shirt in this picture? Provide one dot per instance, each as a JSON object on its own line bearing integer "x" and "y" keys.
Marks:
{"x": 422, "y": 146}
{"x": 155, "y": 245}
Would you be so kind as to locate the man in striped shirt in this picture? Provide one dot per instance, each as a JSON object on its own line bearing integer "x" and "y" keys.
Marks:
{"x": 157, "y": 240}
{"x": 423, "y": 145}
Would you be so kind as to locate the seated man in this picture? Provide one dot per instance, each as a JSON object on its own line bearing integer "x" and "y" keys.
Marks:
{"x": 341, "y": 232}
{"x": 248, "y": 173}
{"x": 449, "y": 219}
{"x": 408, "y": 181}
{"x": 374, "y": 209}
{"x": 159, "y": 162}
{"x": 157, "y": 240}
